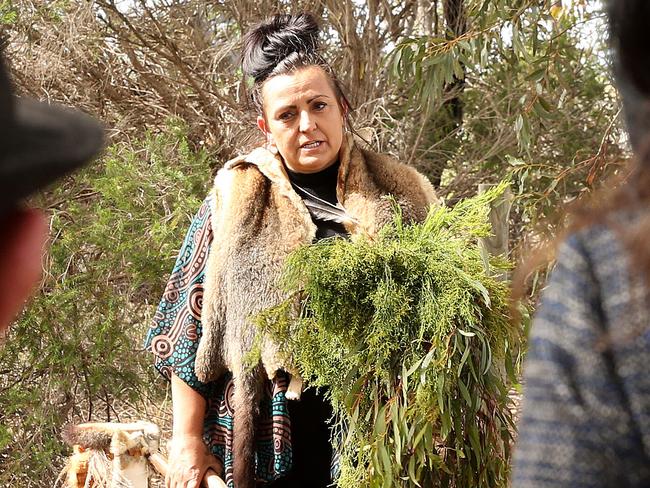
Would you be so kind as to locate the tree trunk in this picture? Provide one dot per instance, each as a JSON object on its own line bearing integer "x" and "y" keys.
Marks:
{"x": 456, "y": 25}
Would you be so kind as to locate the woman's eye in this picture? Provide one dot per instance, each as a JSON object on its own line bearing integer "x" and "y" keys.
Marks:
{"x": 285, "y": 116}
{"x": 320, "y": 105}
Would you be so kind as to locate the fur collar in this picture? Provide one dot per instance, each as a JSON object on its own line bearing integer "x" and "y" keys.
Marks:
{"x": 258, "y": 220}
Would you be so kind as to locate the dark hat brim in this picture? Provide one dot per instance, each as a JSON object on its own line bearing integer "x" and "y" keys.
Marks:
{"x": 43, "y": 143}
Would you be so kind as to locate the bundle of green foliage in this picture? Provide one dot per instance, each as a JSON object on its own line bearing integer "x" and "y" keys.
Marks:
{"x": 413, "y": 343}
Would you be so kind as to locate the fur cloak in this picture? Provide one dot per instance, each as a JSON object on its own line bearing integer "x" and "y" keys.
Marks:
{"x": 258, "y": 220}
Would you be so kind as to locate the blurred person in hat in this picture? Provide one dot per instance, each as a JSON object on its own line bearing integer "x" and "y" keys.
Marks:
{"x": 39, "y": 143}
{"x": 586, "y": 408}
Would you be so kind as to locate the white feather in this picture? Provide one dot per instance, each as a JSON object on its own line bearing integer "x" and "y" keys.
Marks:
{"x": 324, "y": 210}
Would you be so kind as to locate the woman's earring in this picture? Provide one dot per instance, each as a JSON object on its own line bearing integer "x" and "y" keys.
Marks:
{"x": 272, "y": 148}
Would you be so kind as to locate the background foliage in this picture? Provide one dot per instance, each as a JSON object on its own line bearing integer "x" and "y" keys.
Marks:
{"x": 75, "y": 353}
{"x": 467, "y": 91}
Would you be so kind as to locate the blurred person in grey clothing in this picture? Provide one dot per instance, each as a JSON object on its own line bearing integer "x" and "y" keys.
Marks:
{"x": 586, "y": 409}
{"x": 38, "y": 144}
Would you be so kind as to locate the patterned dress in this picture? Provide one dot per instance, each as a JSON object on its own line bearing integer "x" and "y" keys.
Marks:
{"x": 174, "y": 337}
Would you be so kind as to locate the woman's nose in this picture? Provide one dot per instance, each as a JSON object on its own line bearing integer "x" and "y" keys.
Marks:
{"x": 307, "y": 122}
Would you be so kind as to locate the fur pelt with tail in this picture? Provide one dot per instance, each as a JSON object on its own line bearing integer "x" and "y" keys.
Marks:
{"x": 108, "y": 454}
{"x": 258, "y": 220}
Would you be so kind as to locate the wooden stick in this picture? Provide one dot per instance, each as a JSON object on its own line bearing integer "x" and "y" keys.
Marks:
{"x": 159, "y": 463}
{"x": 210, "y": 480}
{"x": 497, "y": 243}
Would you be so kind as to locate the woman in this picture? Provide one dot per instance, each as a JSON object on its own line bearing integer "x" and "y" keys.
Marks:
{"x": 586, "y": 414}
{"x": 310, "y": 180}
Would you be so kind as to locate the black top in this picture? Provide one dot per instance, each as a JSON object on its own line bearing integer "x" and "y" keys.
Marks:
{"x": 314, "y": 188}
{"x": 310, "y": 431}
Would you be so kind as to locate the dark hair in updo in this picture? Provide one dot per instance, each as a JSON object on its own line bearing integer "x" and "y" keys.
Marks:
{"x": 280, "y": 45}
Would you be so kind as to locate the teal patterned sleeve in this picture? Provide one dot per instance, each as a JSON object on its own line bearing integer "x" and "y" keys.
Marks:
{"x": 173, "y": 336}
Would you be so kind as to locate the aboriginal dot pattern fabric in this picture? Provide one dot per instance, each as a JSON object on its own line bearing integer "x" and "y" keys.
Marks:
{"x": 173, "y": 338}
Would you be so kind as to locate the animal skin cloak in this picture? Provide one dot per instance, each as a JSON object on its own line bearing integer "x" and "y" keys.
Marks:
{"x": 260, "y": 221}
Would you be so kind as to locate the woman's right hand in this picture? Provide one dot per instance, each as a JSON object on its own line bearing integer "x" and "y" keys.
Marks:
{"x": 188, "y": 461}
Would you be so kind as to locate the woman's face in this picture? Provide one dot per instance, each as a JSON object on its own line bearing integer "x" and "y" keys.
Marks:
{"x": 303, "y": 119}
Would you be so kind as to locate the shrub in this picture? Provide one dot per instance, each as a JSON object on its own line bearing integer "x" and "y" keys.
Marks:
{"x": 72, "y": 355}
